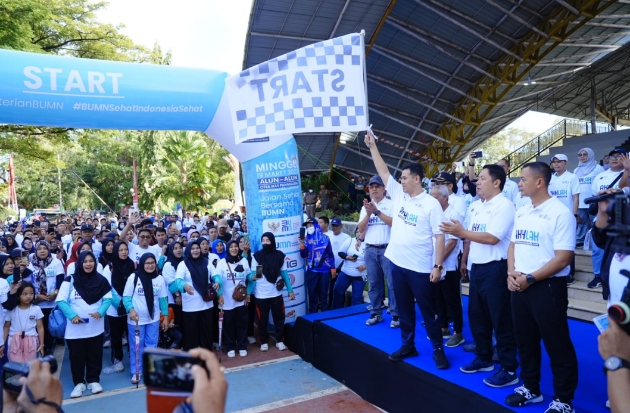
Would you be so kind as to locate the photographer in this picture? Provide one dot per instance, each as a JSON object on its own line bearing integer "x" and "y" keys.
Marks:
{"x": 41, "y": 392}
{"x": 614, "y": 342}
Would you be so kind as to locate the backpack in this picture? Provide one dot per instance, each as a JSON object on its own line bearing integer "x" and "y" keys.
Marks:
{"x": 57, "y": 320}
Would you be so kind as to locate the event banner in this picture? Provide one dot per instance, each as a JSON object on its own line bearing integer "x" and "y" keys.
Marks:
{"x": 274, "y": 204}
{"x": 318, "y": 88}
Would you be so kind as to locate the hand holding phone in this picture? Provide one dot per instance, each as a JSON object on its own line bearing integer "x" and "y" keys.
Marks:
{"x": 303, "y": 232}
{"x": 259, "y": 272}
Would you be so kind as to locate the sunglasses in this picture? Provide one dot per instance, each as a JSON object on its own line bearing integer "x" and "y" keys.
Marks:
{"x": 582, "y": 154}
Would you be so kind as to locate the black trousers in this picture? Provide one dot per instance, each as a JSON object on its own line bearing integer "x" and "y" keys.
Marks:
{"x": 540, "y": 312}
{"x": 251, "y": 315}
{"x": 413, "y": 288}
{"x": 117, "y": 328}
{"x": 178, "y": 314}
{"x": 263, "y": 306}
{"x": 449, "y": 301}
{"x": 198, "y": 327}
{"x": 86, "y": 359}
{"x": 489, "y": 309}
{"x": 235, "y": 328}
{"x": 49, "y": 340}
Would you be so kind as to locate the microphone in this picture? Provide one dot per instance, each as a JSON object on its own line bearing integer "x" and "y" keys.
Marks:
{"x": 593, "y": 199}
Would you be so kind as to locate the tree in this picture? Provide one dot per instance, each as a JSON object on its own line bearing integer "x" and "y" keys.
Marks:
{"x": 503, "y": 143}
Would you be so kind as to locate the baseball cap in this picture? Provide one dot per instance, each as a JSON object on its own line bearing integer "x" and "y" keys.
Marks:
{"x": 222, "y": 223}
{"x": 560, "y": 157}
{"x": 335, "y": 221}
{"x": 376, "y": 180}
{"x": 443, "y": 178}
{"x": 618, "y": 150}
{"x": 87, "y": 227}
{"x": 309, "y": 221}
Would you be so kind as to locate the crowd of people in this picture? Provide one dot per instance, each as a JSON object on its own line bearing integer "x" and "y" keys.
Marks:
{"x": 161, "y": 277}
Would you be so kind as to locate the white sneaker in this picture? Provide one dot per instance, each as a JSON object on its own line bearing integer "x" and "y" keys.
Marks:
{"x": 119, "y": 366}
{"x": 251, "y": 339}
{"x": 242, "y": 353}
{"x": 281, "y": 346}
{"x": 264, "y": 347}
{"x": 107, "y": 344}
{"x": 95, "y": 387}
{"x": 78, "y": 390}
{"x": 231, "y": 354}
{"x": 125, "y": 341}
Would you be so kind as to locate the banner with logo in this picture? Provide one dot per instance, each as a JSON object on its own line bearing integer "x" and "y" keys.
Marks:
{"x": 318, "y": 88}
{"x": 274, "y": 204}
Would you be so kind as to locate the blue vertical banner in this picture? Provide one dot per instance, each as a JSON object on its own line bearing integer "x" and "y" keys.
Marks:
{"x": 273, "y": 197}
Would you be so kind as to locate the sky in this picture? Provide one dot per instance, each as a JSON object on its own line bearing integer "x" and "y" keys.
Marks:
{"x": 210, "y": 34}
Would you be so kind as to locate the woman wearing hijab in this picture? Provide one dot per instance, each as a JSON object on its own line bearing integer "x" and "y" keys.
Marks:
{"x": 218, "y": 248}
{"x": 27, "y": 245}
{"x": 320, "y": 263}
{"x": 117, "y": 274}
{"x": 74, "y": 254}
{"x": 21, "y": 260}
{"x": 107, "y": 255}
{"x": 11, "y": 244}
{"x": 233, "y": 270}
{"x": 174, "y": 256}
{"x": 8, "y": 289}
{"x": 48, "y": 274}
{"x": 243, "y": 244}
{"x": 268, "y": 297}
{"x": 84, "y": 246}
{"x": 84, "y": 298}
{"x": 194, "y": 277}
{"x": 144, "y": 298}
{"x": 586, "y": 171}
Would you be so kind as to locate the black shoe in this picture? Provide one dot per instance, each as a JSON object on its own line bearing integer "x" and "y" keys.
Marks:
{"x": 570, "y": 280}
{"x": 522, "y": 396}
{"x": 403, "y": 353}
{"x": 470, "y": 348}
{"x": 441, "y": 362}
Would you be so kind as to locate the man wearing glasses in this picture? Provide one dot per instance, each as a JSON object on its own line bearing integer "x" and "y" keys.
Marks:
{"x": 615, "y": 177}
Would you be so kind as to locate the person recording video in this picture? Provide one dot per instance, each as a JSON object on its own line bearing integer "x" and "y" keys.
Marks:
{"x": 614, "y": 343}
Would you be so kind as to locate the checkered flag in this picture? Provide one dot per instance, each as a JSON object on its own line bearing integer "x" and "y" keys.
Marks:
{"x": 318, "y": 88}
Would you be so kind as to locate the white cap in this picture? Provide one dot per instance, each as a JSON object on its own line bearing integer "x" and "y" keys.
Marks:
{"x": 560, "y": 157}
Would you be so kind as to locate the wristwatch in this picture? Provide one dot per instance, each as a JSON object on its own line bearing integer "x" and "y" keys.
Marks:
{"x": 177, "y": 294}
{"x": 378, "y": 212}
{"x": 439, "y": 267}
{"x": 613, "y": 363}
{"x": 530, "y": 279}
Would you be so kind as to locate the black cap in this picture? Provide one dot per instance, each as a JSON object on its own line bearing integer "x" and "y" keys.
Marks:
{"x": 619, "y": 150}
{"x": 87, "y": 227}
{"x": 376, "y": 179}
{"x": 310, "y": 220}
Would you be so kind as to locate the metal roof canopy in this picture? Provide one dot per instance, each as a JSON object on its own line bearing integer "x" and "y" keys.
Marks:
{"x": 444, "y": 75}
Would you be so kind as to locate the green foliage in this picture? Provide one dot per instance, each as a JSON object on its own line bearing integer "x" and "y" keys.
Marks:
{"x": 327, "y": 213}
{"x": 503, "y": 143}
{"x": 353, "y": 217}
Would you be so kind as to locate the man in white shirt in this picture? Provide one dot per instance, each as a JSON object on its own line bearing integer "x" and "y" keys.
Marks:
{"x": 541, "y": 248}
{"x": 615, "y": 177}
{"x": 375, "y": 221}
{"x": 339, "y": 241}
{"x": 565, "y": 187}
{"x": 87, "y": 234}
{"x": 324, "y": 223}
{"x": 489, "y": 228}
{"x": 415, "y": 267}
{"x": 188, "y": 221}
{"x": 449, "y": 289}
{"x": 510, "y": 190}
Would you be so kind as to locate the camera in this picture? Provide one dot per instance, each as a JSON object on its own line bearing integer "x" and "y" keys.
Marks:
{"x": 12, "y": 372}
{"x": 619, "y": 230}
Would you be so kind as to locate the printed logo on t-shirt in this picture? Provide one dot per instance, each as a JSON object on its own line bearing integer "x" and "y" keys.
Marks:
{"x": 374, "y": 220}
{"x": 478, "y": 228}
{"x": 562, "y": 193}
{"x": 527, "y": 237}
{"x": 409, "y": 218}
{"x": 587, "y": 180}
{"x": 31, "y": 317}
{"x": 77, "y": 296}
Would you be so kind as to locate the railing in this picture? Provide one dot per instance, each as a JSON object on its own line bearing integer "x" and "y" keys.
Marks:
{"x": 561, "y": 130}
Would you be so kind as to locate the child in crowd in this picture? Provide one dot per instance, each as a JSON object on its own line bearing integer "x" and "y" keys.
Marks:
{"x": 24, "y": 327}
{"x": 173, "y": 332}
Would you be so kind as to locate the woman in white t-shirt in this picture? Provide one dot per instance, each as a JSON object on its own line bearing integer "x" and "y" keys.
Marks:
{"x": 23, "y": 328}
{"x": 48, "y": 274}
{"x": 588, "y": 168}
{"x": 84, "y": 298}
{"x": 194, "y": 277}
{"x": 144, "y": 298}
{"x": 234, "y": 270}
{"x": 268, "y": 297}
{"x": 117, "y": 274}
{"x": 174, "y": 256}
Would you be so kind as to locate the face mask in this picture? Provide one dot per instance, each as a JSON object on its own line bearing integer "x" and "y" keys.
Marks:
{"x": 267, "y": 247}
{"x": 310, "y": 230}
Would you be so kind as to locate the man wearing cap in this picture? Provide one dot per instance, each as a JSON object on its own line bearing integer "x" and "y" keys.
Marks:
{"x": 224, "y": 234}
{"x": 87, "y": 234}
{"x": 339, "y": 241}
{"x": 415, "y": 265}
{"x": 375, "y": 222}
{"x": 615, "y": 177}
{"x": 456, "y": 202}
{"x": 565, "y": 186}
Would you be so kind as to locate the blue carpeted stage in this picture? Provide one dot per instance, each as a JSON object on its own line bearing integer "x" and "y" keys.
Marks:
{"x": 342, "y": 346}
